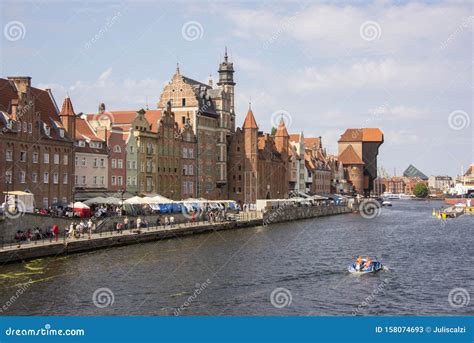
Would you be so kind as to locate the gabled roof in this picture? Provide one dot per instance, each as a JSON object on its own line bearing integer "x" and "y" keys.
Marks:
{"x": 250, "y": 122}
{"x": 84, "y": 131}
{"x": 349, "y": 156}
{"x": 412, "y": 171}
{"x": 470, "y": 171}
{"x": 362, "y": 135}
{"x": 310, "y": 142}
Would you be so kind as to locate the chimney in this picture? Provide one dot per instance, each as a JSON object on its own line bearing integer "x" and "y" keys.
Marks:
{"x": 22, "y": 83}
{"x": 14, "y": 110}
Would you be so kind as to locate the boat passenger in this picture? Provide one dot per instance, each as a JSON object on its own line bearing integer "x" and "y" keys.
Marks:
{"x": 368, "y": 263}
{"x": 358, "y": 263}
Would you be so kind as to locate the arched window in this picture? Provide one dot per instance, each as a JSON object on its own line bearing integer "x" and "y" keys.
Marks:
{"x": 117, "y": 148}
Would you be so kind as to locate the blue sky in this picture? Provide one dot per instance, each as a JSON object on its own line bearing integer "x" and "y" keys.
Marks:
{"x": 405, "y": 67}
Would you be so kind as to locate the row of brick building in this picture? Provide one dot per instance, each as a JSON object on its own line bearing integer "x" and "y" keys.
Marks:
{"x": 188, "y": 147}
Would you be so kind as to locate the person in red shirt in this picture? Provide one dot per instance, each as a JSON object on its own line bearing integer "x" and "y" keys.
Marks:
{"x": 56, "y": 232}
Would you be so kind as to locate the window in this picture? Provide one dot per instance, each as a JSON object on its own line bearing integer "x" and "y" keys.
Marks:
{"x": 132, "y": 150}
{"x": 65, "y": 178}
{"x": 55, "y": 178}
{"x": 183, "y": 102}
{"x": 83, "y": 162}
{"x": 46, "y": 177}
{"x": 65, "y": 160}
{"x": 56, "y": 159}
{"x": 119, "y": 180}
{"x": 102, "y": 180}
{"x": 61, "y": 133}
{"x": 84, "y": 180}
{"x": 94, "y": 180}
{"x": 22, "y": 177}
{"x": 64, "y": 200}
{"x": 96, "y": 145}
{"x": 102, "y": 162}
{"x": 30, "y": 127}
{"x": 183, "y": 120}
{"x": 34, "y": 177}
{"x": 185, "y": 153}
{"x": 8, "y": 176}
{"x": 22, "y": 156}
{"x": 45, "y": 202}
{"x": 35, "y": 157}
{"x": 81, "y": 144}
{"x": 129, "y": 180}
{"x": 25, "y": 126}
{"x": 134, "y": 181}
{"x": 46, "y": 158}
{"x": 114, "y": 163}
{"x": 9, "y": 155}
{"x": 55, "y": 200}
{"x": 190, "y": 153}
{"x": 120, "y": 164}
{"x": 117, "y": 148}
{"x": 95, "y": 163}
{"x": 76, "y": 161}
{"x": 114, "y": 182}
{"x": 76, "y": 179}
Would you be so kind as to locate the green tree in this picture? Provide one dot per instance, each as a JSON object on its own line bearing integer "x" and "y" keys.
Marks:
{"x": 274, "y": 130}
{"x": 420, "y": 190}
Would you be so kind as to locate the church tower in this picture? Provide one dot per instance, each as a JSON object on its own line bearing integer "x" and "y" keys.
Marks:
{"x": 250, "y": 131}
{"x": 226, "y": 84}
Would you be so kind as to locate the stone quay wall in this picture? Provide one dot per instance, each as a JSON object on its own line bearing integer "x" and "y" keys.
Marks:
{"x": 289, "y": 213}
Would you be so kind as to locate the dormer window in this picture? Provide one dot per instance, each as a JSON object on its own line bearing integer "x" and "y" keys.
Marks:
{"x": 47, "y": 129}
{"x": 61, "y": 133}
{"x": 18, "y": 126}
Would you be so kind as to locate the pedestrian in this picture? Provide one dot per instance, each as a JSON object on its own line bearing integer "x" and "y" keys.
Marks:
{"x": 167, "y": 222}
{"x": 158, "y": 221}
{"x": 89, "y": 228}
{"x": 139, "y": 222}
{"x": 56, "y": 232}
{"x": 171, "y": 221}
{"x": 125, "y": 223}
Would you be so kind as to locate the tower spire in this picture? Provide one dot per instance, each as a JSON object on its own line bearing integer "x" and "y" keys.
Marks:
{"x": 225, "y": 54}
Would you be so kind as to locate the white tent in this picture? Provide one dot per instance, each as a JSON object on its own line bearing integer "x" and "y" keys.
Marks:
{"x": 136, "y": 200}
{"x": 161, "y": 199}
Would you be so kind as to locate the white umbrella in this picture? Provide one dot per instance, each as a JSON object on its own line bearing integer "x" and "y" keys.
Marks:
{"x": 78, "y": 204}
{"x": 136, "y": 200}
{"x": 161, "y": 199}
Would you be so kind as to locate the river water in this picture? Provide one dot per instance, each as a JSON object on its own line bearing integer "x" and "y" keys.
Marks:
{"x": 297, "y": 268}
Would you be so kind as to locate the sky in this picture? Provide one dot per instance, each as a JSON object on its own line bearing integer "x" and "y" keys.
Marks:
{"x": 403, "y": 66}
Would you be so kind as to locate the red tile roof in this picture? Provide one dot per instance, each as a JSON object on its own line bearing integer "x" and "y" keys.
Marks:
{"x": 311, "y": 142}
{"x": 84, "y": 131}
{"x": 294, "y": 137}
{"x": 281, "y": 130}
{"x": 349, "y": 156}
{"x": 250, "y": 122}
{"x": 362, "y": 135}
{"x": 67, "y": 109}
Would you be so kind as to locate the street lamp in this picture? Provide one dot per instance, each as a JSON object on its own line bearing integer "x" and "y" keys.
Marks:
{"x": 121, "y": 191}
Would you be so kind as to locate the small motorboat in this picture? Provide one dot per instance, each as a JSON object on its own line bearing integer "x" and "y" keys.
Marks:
{"x": 386, "y": 203}
{"x": 374, "y": 267}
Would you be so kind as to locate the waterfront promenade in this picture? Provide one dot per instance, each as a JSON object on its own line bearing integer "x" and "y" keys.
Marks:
{"x": 12, "y": 252}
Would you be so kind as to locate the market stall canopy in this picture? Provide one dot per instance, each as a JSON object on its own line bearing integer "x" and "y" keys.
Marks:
{"x": 136, "y": 200}
{"x": 96, "y": 200}
{"x": 161, "y": 199}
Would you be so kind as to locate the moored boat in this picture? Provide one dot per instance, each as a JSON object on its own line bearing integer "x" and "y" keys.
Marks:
{"x": 374, "y": 267}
